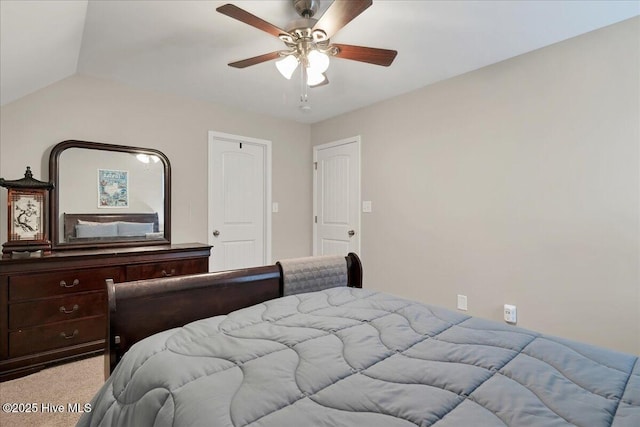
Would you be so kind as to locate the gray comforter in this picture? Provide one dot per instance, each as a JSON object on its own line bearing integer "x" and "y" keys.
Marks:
{"x": 353, "y": 357}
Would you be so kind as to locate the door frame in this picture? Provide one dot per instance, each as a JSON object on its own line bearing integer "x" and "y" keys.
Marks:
{"x": 351, "y": 140}
{"x": 266, "y": 147}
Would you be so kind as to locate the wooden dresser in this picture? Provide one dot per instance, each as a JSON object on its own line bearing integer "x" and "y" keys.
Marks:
{"x": 54, "y": 307}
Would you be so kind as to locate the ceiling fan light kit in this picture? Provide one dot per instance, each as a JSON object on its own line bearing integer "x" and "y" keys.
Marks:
{"x": 308, "y": 41}
{"x": 315, "y": 61}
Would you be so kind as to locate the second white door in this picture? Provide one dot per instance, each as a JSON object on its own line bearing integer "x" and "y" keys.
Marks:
{"x": 337, "y": 197}
{"x": 238, "y": 197}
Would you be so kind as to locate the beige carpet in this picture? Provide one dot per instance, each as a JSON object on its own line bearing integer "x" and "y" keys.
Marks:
{"x": 71, "y": 383}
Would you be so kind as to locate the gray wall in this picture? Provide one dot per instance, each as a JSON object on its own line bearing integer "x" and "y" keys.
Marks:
{"x": 102, "y": 111}
{"x": 517, "y": 183}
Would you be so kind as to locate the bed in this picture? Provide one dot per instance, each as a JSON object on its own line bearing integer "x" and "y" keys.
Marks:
{"x": 340, "y": 356}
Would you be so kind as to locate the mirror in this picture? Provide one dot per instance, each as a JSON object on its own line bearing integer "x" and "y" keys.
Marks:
{"x": 109, "y": 196}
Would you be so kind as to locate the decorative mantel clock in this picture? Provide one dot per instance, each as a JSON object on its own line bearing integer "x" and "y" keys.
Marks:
{"x": 28, "y": 202}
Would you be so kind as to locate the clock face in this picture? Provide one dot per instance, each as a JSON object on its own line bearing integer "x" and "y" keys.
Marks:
{"x": 27, "y": 217}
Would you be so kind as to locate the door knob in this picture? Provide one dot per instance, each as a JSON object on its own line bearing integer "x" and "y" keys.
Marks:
{"x": 351, "y": 233}
{"x": 216, "y": 233}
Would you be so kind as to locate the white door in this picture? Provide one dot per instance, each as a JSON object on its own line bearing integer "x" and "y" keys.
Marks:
{"x": 239, "y": 194}
{"x": 336, "y": 197}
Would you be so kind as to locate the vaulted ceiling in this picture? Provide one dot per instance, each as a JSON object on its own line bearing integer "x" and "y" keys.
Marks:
{"x": 183, "y": 47}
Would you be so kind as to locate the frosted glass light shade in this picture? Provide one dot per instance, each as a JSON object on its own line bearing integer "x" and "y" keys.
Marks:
{"x": 287, "y": 66}
{"x": 314, "y": 78}
{"x": 318, "y": 61}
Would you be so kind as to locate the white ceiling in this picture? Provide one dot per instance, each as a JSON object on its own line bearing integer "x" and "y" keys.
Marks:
{"x": 183, "y": 47}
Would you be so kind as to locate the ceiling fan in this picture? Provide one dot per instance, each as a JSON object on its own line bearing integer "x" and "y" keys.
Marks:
{"x": 308, "y": 40}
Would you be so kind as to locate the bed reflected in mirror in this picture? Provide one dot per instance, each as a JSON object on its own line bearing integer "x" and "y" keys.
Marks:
{"x": 109, "y": 195}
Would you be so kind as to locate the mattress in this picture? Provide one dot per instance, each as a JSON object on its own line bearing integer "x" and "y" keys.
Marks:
{"x": 354, "y": 357}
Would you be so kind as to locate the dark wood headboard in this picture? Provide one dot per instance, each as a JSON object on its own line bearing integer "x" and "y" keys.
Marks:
{"x": 71, "y": 220}
{"x": 142, "y": 308}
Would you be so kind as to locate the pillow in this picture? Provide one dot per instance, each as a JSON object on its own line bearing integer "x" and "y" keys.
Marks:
{"x": 109, "y": 229}
{"x": 83, "y": 222}
{"x": 129, "y": 229}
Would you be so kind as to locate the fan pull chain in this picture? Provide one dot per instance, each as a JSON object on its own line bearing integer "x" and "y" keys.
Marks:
{"x": 304, "y": 96}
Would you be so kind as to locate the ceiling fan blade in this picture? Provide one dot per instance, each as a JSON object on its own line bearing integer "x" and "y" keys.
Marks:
{"x": 255, "y": 60}
{"x": 339, "y": 14}
{"x": 371, "y": 55}
{"x": 243, "y": 16}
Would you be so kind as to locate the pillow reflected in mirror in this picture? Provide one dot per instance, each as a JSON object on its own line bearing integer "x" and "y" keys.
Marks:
{"x": 131, "y": 229}
{"x": 109, "y": 229}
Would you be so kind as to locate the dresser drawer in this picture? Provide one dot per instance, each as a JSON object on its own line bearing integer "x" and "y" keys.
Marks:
{"x": 56, "y": 335}
{"x": 41, "y": 285}
{"x": 50, "y": 310}
{"x": 167, "y": 269}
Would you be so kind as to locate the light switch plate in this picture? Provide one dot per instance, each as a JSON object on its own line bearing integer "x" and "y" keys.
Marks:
{"x": 275, "y": 207}
{"x": 462, "y": 302}
{"x": 366, "y": 206}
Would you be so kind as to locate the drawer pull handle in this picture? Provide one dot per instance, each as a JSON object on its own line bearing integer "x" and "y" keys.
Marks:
{"x": 64, "y": 310}
{"x": 74, "y": 283}
{"x": 165, "y": 274}
{"x": 68, "y": 337}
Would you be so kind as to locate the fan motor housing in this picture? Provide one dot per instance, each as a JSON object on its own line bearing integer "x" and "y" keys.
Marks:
{"x": 306, "y": 8}
{"x": 300, "y": 26}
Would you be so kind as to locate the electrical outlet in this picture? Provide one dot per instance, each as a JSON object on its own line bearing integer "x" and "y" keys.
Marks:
{"x": 462, "y": 302}
{"x": 510, "y": 313}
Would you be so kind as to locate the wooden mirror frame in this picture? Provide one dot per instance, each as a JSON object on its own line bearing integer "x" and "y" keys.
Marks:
{"x": 54, "y": 208}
